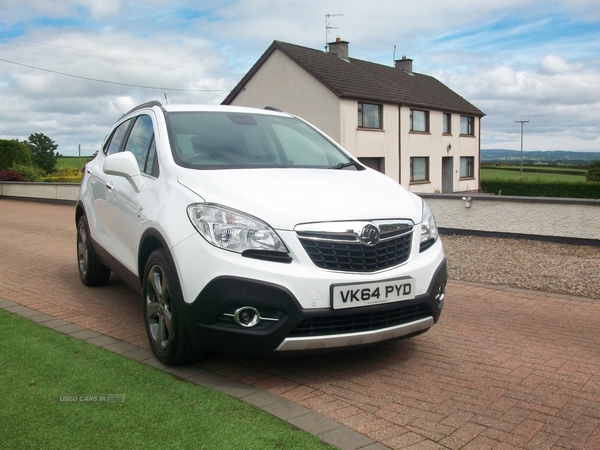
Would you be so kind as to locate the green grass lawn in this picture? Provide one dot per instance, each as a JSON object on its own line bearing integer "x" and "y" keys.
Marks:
{"x": 38, "y": 365}
{"x": 540, "y": 176}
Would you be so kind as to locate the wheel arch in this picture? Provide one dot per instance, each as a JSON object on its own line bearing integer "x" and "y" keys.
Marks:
{"x": 152, "y": 240}
{"x": 79, "y": 211}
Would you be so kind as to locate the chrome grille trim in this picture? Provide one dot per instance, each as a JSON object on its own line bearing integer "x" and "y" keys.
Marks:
{"x": 339, "y": 246}
{"x": 349, "y": 231}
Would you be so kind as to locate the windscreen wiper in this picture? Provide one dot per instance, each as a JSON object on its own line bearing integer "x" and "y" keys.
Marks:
{"x": 342, "y": 165}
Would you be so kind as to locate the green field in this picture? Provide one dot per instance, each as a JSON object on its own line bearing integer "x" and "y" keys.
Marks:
{"x": 539, "y": 175}
{"x": 71, "y": 161}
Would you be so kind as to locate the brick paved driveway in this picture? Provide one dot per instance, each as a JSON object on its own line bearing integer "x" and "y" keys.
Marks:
{"x": 503, "y": 368}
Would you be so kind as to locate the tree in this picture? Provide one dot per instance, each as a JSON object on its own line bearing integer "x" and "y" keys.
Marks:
{"x": 14, "y": 152}
{"x": 43, "y": 154}
{"x": 594, "y": 172}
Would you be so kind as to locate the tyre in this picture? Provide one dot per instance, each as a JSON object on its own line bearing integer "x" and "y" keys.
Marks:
{"x": 91, "y": 271}
{"x": 163, "y": 313}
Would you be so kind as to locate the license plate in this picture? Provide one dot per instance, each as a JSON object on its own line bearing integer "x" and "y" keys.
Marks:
{"x": 362, "y": 294}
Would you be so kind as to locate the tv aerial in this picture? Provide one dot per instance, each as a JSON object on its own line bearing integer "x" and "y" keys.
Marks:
{"x": 329, "y": 27}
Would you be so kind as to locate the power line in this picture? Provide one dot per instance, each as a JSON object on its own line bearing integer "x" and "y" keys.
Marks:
{"x": 112, "y": 82}
{"x": 108, "y": 57}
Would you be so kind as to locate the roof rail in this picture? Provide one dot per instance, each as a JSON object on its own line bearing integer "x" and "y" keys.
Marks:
{"x": 272, "y": 108}
{"x": 144, "y": 105}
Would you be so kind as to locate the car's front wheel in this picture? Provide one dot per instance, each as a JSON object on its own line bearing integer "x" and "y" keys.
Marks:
{"x": 91, "y": 271}
{"x": 163, "y": 312}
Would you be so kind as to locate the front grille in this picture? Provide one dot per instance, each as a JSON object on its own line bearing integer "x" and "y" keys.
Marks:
{"x": 355, "y": 323}
{"x": 357, "y": 257}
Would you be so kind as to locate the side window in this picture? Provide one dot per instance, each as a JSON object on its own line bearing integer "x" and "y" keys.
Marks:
{"x": 114, "y": 145}
{"x": 419, "y": 121}
{"x": 447, "y": 121}
{"x": 419, "y": 169}
{"x": 141, "y": 143}
{"x": 152, "y": 163}
{"x": 369, "y": 116}
{"x": 467, "y": 167}
{"x": 467, "y": 125}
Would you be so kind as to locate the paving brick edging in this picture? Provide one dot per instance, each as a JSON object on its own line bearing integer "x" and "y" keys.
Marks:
{"x": 328, "y": 430}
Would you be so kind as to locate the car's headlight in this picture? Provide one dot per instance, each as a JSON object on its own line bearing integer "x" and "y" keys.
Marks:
{"x": 232, "y": 230}
{"x": 429, "y": 231}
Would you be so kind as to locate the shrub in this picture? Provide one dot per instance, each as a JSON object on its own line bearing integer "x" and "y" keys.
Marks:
{"x": 593, "y": 172}
{"x": 28, "y": 173}
{"x": 64, "y": 175}
{"x": 10, "y": 175}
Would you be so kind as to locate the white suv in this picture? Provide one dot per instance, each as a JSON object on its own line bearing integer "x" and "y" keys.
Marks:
{"x": 248, "y": 230}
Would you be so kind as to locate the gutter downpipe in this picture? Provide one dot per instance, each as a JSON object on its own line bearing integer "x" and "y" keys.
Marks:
{"x": 400, "y": 143}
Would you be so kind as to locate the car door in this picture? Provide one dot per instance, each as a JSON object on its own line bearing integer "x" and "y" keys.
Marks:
{"x": 124, "y": 211}
{"x": 99, "y": 187}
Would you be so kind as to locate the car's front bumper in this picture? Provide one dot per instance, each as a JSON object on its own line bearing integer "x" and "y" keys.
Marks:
{"x": 288, "y": 327}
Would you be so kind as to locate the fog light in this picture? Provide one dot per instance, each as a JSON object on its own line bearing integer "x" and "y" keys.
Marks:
{"x": 246, "y": 316}
{"x": 440, "y": 294}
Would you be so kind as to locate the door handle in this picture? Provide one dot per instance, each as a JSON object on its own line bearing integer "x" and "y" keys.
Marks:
{"x": 109, "y": 186}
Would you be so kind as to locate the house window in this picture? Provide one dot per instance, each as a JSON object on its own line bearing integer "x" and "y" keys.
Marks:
{"x": 369, "y": 115}
{"x": 419, "y": 120}
{"x": 419, "y": 169}
{"x": 467, "y": 125}
{"x": 447, "y": 123}
{"x": 467, "y": 167}
{"x": 377, "y": 164}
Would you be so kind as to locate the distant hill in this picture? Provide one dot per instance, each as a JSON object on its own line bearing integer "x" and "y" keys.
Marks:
{"x": 539, "y": 157}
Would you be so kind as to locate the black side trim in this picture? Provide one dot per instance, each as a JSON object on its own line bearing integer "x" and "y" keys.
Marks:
{"x": 426, "y": 245}
{"x": 115, "y": 265}
{"x": 266, "y": 255}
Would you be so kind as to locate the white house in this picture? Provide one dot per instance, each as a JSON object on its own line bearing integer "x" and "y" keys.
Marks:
{"x": 407, "y": 125}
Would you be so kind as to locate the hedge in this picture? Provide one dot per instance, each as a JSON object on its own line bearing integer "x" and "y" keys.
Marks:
{"x": 537, "y": 189}
{"x": 14, "y": 152}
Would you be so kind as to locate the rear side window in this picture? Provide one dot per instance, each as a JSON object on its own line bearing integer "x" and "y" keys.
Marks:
{"x": 114, "y": 144}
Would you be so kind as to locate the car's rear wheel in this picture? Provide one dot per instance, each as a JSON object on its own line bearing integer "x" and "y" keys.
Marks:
{"x": 163, "y": 314}
{"x": 91, "y": 271}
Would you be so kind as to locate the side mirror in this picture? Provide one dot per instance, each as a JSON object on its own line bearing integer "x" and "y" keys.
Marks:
{"x": 124, "y": 164}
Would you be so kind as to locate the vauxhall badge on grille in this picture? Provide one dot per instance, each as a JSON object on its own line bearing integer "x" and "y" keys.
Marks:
{"x": 369, "y": 235}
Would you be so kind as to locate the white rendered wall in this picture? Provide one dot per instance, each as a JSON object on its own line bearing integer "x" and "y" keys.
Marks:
{"x": 570, "y": 218}
{"x": 435, "y": 146}
{"x": 283, "y": 84}
{"x": 371, "y": 143}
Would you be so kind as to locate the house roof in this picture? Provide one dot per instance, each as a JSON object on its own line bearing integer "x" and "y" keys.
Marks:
{"x": 367, "y": 81}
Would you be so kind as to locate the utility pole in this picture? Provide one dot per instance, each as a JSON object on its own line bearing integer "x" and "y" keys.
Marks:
{"x": 521, "y": 122}
{"x": 79, "y": 159}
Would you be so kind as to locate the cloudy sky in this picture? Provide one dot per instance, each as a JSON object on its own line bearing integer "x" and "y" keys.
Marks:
{"x": 70, "y": 68}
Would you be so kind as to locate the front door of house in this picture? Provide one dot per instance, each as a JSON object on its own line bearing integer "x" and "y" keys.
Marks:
{"x": 447, "y": 176}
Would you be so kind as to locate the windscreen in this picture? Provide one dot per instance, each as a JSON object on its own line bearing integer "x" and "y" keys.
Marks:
{"x": 211, "y": 140}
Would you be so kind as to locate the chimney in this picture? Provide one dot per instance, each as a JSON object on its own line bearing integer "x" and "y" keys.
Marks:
{"x": 339, "y": 48}
{"x": 404, "y": 63}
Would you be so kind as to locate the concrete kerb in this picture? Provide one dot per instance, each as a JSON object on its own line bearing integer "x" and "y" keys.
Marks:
{"x": 328, "y": 430}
